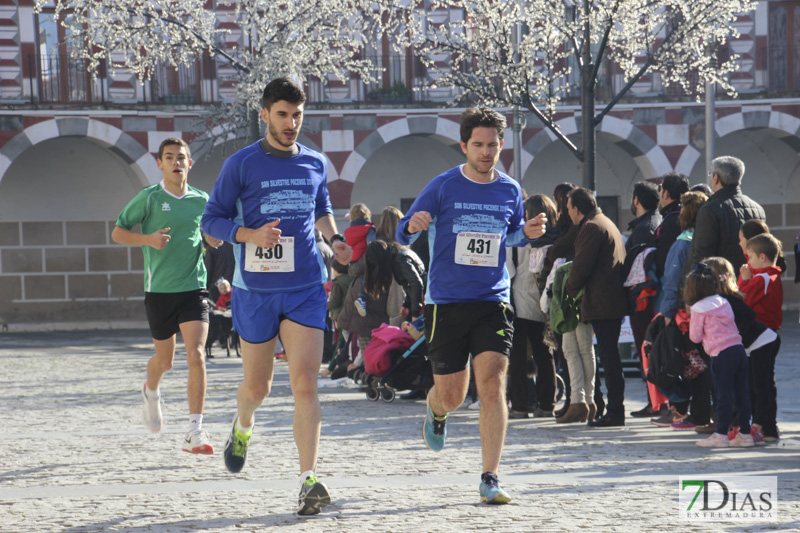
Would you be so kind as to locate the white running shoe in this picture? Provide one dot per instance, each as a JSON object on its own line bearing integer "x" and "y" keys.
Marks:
{"x": 742, "y": 441}
{"x": 475, "y": 406}
{"x": 152, "y": 411}
{"x": 716, "y": 440}
{"x": 197, "y": 442}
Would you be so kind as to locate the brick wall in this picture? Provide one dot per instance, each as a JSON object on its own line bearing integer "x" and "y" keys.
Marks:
{"x": 63, "y": 270}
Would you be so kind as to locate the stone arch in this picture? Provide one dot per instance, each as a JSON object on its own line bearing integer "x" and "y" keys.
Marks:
{"x": 647, "y": 155}
{"x": 782, "y": 126}
{"x": 770, "y": 155}
{"x": 120, "y": 143}
{"x": 385, "y": 178}
{"x": 757, "y": 118}
{"x": 421, "y": 125}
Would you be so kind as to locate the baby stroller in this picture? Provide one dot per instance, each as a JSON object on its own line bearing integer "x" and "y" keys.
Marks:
{"x": 394, "y": 361}
{"x": 220, "y": 327}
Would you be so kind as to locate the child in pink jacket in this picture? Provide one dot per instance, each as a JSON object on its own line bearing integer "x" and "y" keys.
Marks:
{"x": 712, "y": 324}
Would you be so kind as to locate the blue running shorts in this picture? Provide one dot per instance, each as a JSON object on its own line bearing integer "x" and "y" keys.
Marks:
{"x": 257, "y": 315}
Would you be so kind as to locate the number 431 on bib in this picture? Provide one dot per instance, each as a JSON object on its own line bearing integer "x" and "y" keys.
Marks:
{"x": 478, "y": 249}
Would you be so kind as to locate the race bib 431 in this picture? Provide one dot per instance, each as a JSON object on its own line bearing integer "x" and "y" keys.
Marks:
{"x": 478, "y": 249}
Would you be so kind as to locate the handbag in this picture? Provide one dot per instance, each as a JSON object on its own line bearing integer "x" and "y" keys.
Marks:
{"x": 695, "y": 365}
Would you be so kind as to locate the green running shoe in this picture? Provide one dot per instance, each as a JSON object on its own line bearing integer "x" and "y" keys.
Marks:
{"x": 236, "y": 448}
{"x": 313, "y": 497}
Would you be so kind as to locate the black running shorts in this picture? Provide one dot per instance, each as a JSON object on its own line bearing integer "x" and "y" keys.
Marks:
{"x": 454, "y": 331}
{"x": 166, "y": 311}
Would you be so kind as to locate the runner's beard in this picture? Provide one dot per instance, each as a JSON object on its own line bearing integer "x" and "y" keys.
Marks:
{"x": 277, "y": 136}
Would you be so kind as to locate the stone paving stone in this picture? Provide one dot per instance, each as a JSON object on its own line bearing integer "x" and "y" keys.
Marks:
{"x": 74, "y": 456}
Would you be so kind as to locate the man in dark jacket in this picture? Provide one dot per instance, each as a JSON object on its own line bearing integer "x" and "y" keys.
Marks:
{"x": 644, "y": 206}
{"x": 668, "y": 200}
{"x": 597, "y": 269}
{"x": 673, "y": 185}
{"x": 718, "y": 221}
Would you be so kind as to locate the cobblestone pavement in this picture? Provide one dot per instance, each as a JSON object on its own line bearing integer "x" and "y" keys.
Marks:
{"x": 75, "y": 457}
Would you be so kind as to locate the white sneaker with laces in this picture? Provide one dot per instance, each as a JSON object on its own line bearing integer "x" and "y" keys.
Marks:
{"x": 361, "y": 306}
{"x": 716, "y": 440}
{"x": 475, "y": 406}
{"x": 197, "y": 441}
{"x": 152, "y": 411}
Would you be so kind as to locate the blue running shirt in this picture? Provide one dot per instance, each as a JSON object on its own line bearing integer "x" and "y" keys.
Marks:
{"x": 472, "y": 225}
{"x": 254, "y": 188}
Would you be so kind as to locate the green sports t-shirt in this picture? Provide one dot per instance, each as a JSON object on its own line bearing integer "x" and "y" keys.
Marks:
{"x": 179, "y": 266}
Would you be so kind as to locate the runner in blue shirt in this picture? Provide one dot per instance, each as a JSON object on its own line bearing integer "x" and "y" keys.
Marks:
{"x": 267, "y": 201}
{"x": 472, "y": 212}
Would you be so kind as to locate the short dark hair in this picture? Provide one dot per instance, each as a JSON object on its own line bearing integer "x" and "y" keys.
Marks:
{"x": 753, "y": 227}
{"x": 765, "y": 244}
{"x": 174, "y": 141}
{"x": 675, "y": 184}
{"x": 703, "y": 188}
{"x": 481, "y": 117}
{"x": 282, "y": 89}
{"x": 647, "y": 193}
{"x": 583, "y": 199}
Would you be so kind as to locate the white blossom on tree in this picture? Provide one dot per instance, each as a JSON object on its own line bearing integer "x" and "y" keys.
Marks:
{"x": 532, "y": 53}
{"x": 252, "y": 41}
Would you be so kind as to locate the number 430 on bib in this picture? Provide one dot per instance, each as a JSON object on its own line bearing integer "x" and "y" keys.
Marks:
{"x": 279, "y": 258}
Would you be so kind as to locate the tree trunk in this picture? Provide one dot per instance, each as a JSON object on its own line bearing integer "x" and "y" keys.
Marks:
{"x": 587, "y": 105}
{"x": 588, "y": 130}
{"x": 254, "y": 122}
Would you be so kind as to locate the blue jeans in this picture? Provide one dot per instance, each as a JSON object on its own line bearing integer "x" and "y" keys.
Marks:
{"x": 729, "y": 371}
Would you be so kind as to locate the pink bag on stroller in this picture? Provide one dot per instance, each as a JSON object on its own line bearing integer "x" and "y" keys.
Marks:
{"x": 386, "y": 340}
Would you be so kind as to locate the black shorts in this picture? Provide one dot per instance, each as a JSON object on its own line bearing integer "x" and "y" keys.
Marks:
{"x": 454, "y": 331}
{"x": 166, "y": 311}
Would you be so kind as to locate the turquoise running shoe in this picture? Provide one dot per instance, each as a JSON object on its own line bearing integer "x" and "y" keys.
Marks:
{"x": 433, "y": 429}
{"x": 490, "y": 490}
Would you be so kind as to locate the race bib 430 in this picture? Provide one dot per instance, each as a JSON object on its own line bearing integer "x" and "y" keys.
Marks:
{"x": 279, "y": 258}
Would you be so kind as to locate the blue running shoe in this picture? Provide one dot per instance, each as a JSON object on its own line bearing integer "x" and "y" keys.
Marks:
{"x": 433, "y": 429}
{"x": 490, "y": 490}
{"x": 361, "y": 306}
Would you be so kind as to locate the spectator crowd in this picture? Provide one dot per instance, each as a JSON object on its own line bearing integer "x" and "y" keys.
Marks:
{"x": 698, "y": 274}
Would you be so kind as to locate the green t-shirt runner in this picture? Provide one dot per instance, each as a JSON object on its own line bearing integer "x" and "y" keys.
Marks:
{"x": 174, "y": 282}
{"x": 178, "y": 267}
